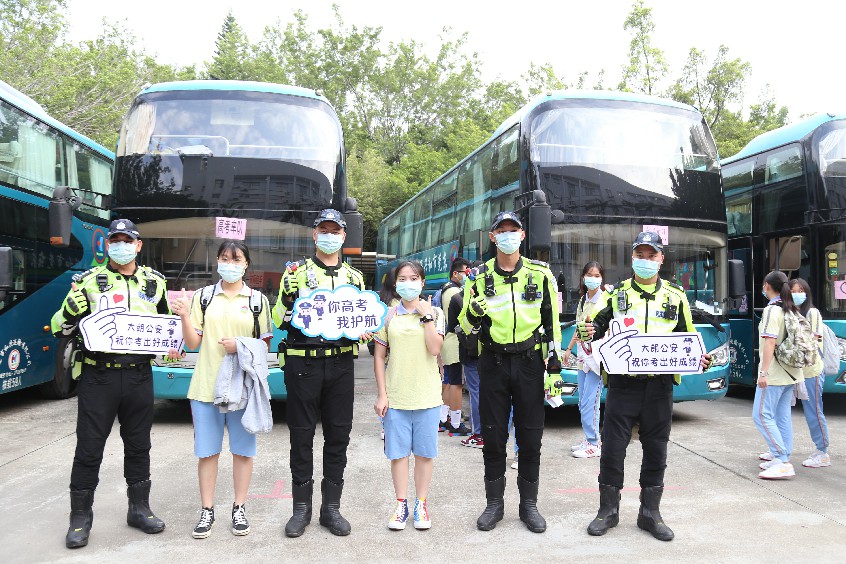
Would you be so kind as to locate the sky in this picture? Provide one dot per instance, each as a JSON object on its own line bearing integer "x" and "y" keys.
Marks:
{"x": 794, "y": 47}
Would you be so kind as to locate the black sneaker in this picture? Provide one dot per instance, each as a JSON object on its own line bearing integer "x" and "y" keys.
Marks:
{"x": 203, "y": 528}
{"x": 443, "y": 426}
{"x": 240, "y": 526}
{"x": 460, "y": 431}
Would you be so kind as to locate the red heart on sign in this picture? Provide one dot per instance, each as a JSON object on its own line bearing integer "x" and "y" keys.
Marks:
{"x": 629, "y": 321}
{"x": 118, "y": 298}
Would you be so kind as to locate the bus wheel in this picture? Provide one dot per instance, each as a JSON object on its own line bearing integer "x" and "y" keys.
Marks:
{"x": 63, "y": 385}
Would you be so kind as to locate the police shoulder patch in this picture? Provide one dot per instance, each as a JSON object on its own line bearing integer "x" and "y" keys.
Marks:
{"x": 293, "y": 266}
{"x": 538, "y": 263}
{"x": 155, "y": 272}
{"x": 475, "y": 272}
{"x": 79, "y": 277}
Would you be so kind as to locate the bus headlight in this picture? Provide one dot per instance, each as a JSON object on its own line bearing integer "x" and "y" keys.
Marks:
{"x": 721, "y": 357}
{"x": 842, "y": 344}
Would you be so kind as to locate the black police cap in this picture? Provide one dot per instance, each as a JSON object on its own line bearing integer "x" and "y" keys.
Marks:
{"x": 649, "y": 238}
{"x": 123, "y": 226}
{"x": 330, "y": 215}
{"x": 506, "y": 216}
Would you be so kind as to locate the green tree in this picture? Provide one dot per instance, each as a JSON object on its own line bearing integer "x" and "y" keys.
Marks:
{"x": 233, "y": 55}
{"x": 646, "y": 67}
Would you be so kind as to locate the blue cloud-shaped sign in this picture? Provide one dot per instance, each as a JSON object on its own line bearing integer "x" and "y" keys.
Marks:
{"x": 345, "y": 311}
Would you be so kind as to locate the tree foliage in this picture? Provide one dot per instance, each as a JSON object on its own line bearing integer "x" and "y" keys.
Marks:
{"x": 647, "y": 66}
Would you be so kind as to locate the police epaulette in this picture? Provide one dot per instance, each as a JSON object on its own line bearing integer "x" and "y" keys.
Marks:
{"x": 292, "y": 266}
{"x": 538, "y": 263}
{"x": 77, "y": 278}
{"x": 674, "y": 285}
{"x": 155, "y": 272}
{"x": 475, "y": 272}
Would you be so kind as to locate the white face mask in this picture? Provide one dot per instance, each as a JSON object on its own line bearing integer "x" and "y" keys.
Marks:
{"x": 329, "y": 243}
{"x": 593, "y": 282}
{"x": 508, "y": 242}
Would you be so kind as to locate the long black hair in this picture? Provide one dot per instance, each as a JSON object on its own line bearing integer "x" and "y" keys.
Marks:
{"x": 592, "y": 264}
{"x": 806, "y": 288}
{"x": 388, "y": 291}
{"x": 778, "y": 282}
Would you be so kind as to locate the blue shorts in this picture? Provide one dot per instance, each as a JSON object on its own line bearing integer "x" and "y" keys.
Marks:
{"x": 410, "y": 431}
{"x": 208, "y": 431}
{"x": 452, "y": 374}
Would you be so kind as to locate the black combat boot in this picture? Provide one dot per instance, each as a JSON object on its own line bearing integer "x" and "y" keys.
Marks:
{"x": 529, "y": 505}
{"x": 139, "y": 514}
{"x": 649, "y": 518}
{"x": 81, "y": 518}
{"x": 302, "y": 509}
{"x": 330, "y": 508}
{"x": 609, "y": 511}
{"x": 494, "y": 492}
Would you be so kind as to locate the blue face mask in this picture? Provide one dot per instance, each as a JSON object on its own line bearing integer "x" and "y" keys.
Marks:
{"x": 408, "y": 290}
{"x": 593, "y": 282}
{"x": 329, "y": 243}
{"x": 645, "y": 268}
{"x": 799, "y": 299}
{"x": 230, "y": 272}
{"x": 508, "y": 242}
{"x": 122, "y": 253}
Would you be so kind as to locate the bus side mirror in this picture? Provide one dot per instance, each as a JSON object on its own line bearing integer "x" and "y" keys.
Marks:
{"x": 61, "y": 210}
{"x": 355, "y": 228}
{"x": 737, "y": 279}
{"x": 540, "y": 227}
{"x": 6, "y": 277}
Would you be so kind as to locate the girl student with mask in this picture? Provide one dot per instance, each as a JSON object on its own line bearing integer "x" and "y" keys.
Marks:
{"x": 409, "y": 391}
{"x": 800, "y": 291}
{"x": 589, "y": 380}
{"x": 227, "y": 315}
{"x": 774, "y": 394}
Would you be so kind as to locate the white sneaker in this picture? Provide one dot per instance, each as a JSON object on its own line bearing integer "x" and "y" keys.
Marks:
{"x": 779, "y": 471}
{"x": 590, "y": 451}
{"x": 818, "y": 459}
{"x": 579, "y": 446}
{"x": 766, "y": 456}
{"x": 769, "y": 463}
{"x": 514, "y": 464}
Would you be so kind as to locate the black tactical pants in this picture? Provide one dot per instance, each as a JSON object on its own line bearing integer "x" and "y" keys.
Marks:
{"x": 325, "y": 388}
{"x": 106, "y": 393}
{"x": 648, "y": 402}
{"x": 507, "y": 380}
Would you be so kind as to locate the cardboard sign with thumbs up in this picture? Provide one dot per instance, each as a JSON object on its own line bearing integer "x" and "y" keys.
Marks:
{"x": 112, "y": 329}
{"x": 626, "y": 351}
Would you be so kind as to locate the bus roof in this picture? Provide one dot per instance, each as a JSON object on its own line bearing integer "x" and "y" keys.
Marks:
{"x": 587, "y": 95}
{"x": 236, "y": 85}
{"x": 33, "y": 108}
{"x": 790, "y": 133}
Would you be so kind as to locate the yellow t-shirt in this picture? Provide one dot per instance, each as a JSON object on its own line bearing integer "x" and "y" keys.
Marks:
{"x": 225, "y": 317}
{"x": 590, "y": 307}
{"x": 772, "y": 327}
{"x": 449, "y": 351}
{"x": 413, "y": 380}
{"x": 815, "y": 320}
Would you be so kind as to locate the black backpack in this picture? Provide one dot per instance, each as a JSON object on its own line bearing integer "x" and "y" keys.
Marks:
{"x": 207, "y": 295}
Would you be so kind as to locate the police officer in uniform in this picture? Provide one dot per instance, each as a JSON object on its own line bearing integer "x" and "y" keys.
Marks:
{"x": 657, "y": 307}
{"x": 319, "y": 379}
{"x": 113, "y": 384}
{"x": 513, "y": 303}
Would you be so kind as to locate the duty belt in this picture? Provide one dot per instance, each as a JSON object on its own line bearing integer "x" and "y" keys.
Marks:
{"x": 318, "y": 352}
{"x": 110, "y": 364}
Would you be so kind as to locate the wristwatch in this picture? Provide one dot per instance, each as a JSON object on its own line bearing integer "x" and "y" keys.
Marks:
{"x": 427, "y": 318}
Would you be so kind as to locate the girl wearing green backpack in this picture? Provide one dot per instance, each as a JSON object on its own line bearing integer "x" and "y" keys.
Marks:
{"x": 773, "y": 396}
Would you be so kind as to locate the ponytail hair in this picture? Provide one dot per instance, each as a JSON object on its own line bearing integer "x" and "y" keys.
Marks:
{"x": 778, "y": 282}
{"x": 809, "y": 303}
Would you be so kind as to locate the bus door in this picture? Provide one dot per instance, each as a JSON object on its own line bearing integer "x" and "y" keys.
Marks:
{"x": 744, "y": 327}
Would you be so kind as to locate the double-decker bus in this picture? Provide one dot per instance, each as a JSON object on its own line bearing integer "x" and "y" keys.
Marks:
{"x": 41, "y": 158}
{"x": 199, "y": 161}
{"x": 587, "y": 171}
{"x": 786, "y": 210}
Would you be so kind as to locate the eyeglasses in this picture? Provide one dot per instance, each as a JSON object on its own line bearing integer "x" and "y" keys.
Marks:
{"x": 227, "y": 260}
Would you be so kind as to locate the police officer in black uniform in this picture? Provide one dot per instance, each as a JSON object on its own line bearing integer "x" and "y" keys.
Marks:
{"x": 111, "y": 384}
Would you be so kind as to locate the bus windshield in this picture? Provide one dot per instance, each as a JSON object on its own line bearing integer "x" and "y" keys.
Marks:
{"x": 618, "y": 160}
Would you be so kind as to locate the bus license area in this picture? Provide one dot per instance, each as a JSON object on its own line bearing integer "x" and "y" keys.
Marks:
{"x": 10, "y": 383}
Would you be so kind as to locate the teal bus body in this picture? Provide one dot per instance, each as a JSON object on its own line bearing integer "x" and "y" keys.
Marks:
{"x": 37, "y": 154}
{"x": 786, "y": 210}
{"x": 193, "y": 152}
{"x": 610, "y": 163}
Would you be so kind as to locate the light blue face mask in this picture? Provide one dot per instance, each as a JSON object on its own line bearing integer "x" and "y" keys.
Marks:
{"x": 645, "y": 268}
{"x": 121, "y": 252}
{"x": 799, "y": 299}
{"x": 593, "y": 282}
{"x": 508, "y": 242}
{"x": 230, "y": 272}
{"x": 408, "y": 290}
{"x": 329, "y": 243}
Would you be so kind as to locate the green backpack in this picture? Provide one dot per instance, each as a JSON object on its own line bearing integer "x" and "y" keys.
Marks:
{"x": 799, "y": 347}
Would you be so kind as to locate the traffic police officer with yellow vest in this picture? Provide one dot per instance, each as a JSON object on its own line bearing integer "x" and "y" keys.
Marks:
{"x": 657, "y": 307}
{"x": 319, "y": 379}
{"x": 513, "y": 303}
{"x": 113, "y": 384}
